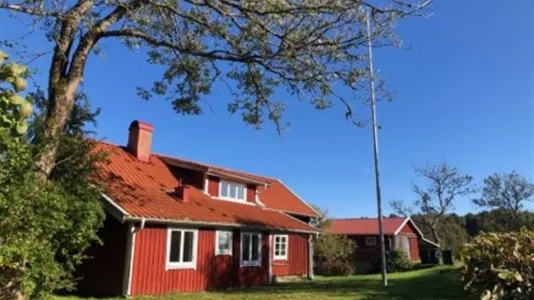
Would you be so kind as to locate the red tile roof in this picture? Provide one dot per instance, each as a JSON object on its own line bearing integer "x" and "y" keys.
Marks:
{"x": 365, "y": 226}
{"x": 139, "y": 189}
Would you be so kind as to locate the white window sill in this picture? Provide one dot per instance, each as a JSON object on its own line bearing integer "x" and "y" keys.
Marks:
{"x": 280, "y": 257}
{"x": 224, "y": 253}
{"x": 180, "y": 266}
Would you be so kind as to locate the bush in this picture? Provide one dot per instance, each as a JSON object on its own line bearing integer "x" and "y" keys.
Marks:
{"x": 335, "y": 268}
{"x": 333, "y": 254}
{"x": 396, "y": 261}
{"x": 500, "y": 266}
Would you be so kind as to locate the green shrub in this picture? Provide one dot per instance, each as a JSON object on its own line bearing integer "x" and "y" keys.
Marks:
{"x": 396, "y": 261}
{"x": 333, "y": 255}
{"x": 500, "y": 266}
{"x": 339, "y": 267}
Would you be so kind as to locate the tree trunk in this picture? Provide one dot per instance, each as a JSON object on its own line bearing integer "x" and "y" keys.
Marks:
{"x": 61, "y": 101}
{"x": 435, "y": 235}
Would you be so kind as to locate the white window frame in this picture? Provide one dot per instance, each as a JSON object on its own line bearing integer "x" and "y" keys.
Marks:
{"x": 228, "y": 183}
{"x": 281, "y": 257}
{"x": 227, "y": 251}
{"x": 250, "y": 263}
{"x": 370, "y": 241}
{"x": 181, "y": 265}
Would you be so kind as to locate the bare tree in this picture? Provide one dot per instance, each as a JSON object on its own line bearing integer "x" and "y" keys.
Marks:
{"x": 436, "y": 198}
{"x": 306, "y": 47}
{"x": 508, "y": 192}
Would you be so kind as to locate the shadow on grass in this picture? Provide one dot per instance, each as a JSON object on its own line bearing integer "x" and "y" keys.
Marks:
{"x": 431, "y": 284}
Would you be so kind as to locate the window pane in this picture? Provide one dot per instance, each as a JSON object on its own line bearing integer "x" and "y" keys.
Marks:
{"x": 224, "y": 189}
{"x": 233, "y": 188}
{"x": 188, "y": 246}
{"x": 246, "y": 243}
{"x": 224, "y": 241}
{"x": 255, "y": 247}
{"x": 176, "y": 237}
{"x": 240, "y": 193}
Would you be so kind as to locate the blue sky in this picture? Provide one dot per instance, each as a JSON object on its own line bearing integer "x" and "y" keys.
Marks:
{"x": 464, "y": 93}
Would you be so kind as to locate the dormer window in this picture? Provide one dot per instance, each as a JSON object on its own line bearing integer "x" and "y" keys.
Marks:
{"x": 232, "y": 191}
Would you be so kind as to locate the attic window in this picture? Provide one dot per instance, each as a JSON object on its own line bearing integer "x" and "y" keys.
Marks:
{"x": 232, "y": 191}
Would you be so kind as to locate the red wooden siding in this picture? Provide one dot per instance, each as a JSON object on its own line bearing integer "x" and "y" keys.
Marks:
{"x": 408, "y": 228}
{"x": 150, "y": 276}
{"x": 297, "y": 259}
{"x": 213, "y": 186}
{"x": 102, "y": 273}
{"x": 251, "y": 193}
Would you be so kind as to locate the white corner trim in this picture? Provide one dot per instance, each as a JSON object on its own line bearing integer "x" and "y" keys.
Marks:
{"x": 402, "y": 225}
{"x": 270, "y": 258}
{"x": 227, "y": 251}
{"x": 206, "y": 185}
{"x": 181, "y": 265}
{"x": 250, "y": 263}
{"x": 295, "y": 194}
{"x": 281, "y": 257}
{"x": 129, "y": 260}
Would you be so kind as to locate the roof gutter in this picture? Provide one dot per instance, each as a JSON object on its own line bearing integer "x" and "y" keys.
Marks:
{"x": 212, "y": 224}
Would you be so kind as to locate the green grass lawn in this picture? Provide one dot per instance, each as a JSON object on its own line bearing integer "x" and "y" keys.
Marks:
{"x": 431, "y": 284}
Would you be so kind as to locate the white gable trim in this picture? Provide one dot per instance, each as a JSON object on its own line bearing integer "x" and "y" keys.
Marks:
{"x": 114, "y": 209}
{"x": 409, "y": 219}
{"x": 295, "y": 194}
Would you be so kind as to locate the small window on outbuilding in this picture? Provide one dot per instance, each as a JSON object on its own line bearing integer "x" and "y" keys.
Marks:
{"x": 370, "y": 241}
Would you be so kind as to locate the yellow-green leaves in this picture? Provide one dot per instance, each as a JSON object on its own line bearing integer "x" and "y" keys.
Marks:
{"x": 500, "y": 266}
{"x": 14, "y": 108}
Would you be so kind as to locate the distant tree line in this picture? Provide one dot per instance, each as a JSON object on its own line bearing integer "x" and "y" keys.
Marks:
{"x": 503, "y": 198}
{"x": 456, "y": 230}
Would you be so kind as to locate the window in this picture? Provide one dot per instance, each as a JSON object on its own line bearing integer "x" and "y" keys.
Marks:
{"x": 280, "y": 247}
{"x": 181, "y": 249}
{"x": 370, "y": 241}
{"x": 223, "y": 243}
{"x": 250, "y": 249}
{"x": 232, "y": 191}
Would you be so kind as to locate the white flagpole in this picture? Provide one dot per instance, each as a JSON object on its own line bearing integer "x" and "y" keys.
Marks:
{"x": 375, "y": 148}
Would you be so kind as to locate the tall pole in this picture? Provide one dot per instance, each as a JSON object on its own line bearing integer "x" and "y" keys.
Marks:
{"x": 375, "y": 148}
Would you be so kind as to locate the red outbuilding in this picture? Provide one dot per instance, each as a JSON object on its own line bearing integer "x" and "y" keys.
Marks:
{"x": 399, "y": 233}
{"x": 176, "y": 225}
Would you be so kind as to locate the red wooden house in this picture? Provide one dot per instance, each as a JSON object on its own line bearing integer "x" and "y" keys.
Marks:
{"x": 399, "y": 233}
{"x": 180, "y": 226}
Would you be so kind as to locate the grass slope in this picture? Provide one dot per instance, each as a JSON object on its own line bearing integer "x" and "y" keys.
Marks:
{"x": 438, "y": 283}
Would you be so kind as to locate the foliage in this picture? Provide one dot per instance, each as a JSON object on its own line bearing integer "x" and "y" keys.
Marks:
{"x": 443, "y": 185}
{"x": 14, "y": 109}
{"x": 256, "y": 48}
{"x": 507, "y": 192}
{"x": 332, "y": 253}
{"x": 397, "y": 261}
{"x": 500, "y": 266}
{"x": 45, "y": 225}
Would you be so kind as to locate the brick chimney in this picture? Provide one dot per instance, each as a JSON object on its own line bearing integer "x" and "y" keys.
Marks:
{"x": 182, "y": 192}
{"x": 140, "y": 140}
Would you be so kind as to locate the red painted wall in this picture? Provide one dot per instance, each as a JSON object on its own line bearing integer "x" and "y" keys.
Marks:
{"x": 410, "y": 231}
{"x": 213, "y": 186}
{"x": 251, "y": 193}
{"x": 102, "y": 273}
{"x": 150, "y": 277}
{"x": 297, "y": 259}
